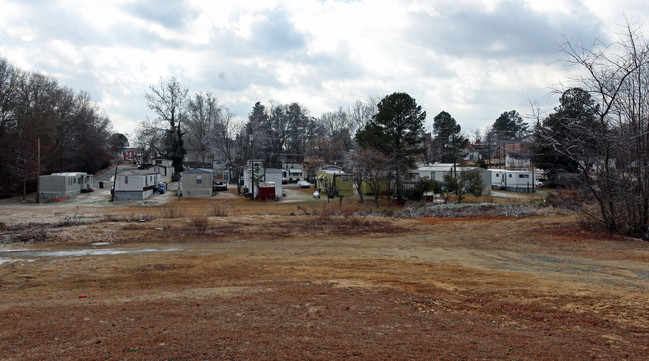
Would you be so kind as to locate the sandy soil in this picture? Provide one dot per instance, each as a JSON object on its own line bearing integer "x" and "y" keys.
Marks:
{"x": 268, "y": 282}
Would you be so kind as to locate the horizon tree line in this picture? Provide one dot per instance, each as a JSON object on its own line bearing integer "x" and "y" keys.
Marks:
{"x": 73, "y": 133}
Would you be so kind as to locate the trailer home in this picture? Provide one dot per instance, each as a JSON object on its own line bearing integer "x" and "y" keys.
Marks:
{"x": 335, "y": 178}
{"x": 136, "y": 184}
{"x": 513, "y": 180}
{"x": 59, "y": 186}
{"x": 264, "y": 175}
{"x": 196, "y": 183}
{"x": 437, "y": 172}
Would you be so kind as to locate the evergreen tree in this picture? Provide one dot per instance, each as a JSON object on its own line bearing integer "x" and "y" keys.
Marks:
{"x": 575, "y": 114}
{"x": 396, "y": 130}
{"x": 450, "y": 145}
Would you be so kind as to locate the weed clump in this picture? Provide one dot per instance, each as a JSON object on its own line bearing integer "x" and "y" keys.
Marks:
{"x": 200, "y": 223}
{"x": 219, "y": 209}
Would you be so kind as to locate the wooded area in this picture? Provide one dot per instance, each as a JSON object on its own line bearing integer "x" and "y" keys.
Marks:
{"x": 73, "y": 132}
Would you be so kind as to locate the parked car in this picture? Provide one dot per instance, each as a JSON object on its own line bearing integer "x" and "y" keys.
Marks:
{"x": 303, "y": 184}
{"x": 219, "y": 186}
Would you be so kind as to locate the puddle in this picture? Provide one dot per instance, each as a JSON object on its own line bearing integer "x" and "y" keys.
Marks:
{"x": 28, "y": 255}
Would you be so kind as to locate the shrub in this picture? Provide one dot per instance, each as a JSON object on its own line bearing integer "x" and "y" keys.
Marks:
{"x": 569, "y": 199}
{"x": 169, "y": 212}
{"x": 220, "y": 209}
{"x": 201, "y": 223}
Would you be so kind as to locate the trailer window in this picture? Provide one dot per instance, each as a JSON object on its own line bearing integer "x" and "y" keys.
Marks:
{"x": 523, "y": 176}
{"x": 125, "y": 179}
{"x": 199, "y": 180}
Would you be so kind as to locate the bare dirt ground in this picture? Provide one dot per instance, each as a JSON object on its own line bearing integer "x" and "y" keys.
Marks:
{"x": 145, "y": 281}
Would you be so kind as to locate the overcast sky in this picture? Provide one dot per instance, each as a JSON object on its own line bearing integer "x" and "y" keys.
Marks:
{"x": 474, "y": 59}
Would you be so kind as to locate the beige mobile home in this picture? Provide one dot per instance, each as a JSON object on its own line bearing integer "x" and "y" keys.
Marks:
{"x": 60, "y": 186}
{"x": 196, "y": 183}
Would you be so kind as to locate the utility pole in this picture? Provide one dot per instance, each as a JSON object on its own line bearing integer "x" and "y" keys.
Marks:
{"x": 38, "y": 172}
{"x": 252, "y": 167}
{"x": 454, "y": 157}
{"x": 112, "y": 193}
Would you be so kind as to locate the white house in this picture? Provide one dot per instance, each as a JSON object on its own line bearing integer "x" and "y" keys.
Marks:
{"x": 136, "y": 184}
{"x": 196, "y": 183}
{"x": 512, "y": 180}
{"x": 60, "y": 186}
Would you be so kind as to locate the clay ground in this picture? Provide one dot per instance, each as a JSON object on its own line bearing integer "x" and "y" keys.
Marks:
{"x": 143, "y": 281}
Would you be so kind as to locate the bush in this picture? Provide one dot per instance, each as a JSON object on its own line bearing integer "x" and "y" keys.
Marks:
{"x": 569, "y": 199}
{"x": 29, "y": 236}
{"x": 425, "y": 185}
{"x": 220, "y": 209}
{"x": 201, "y": 223}
{"x": 142, "y": 217}
{"x": 169, "y": 212}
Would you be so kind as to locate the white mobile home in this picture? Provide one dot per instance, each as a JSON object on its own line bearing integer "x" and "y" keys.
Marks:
{"x": 437, "y": 172}
{"x": 136, "y": 184}
{"x": 268, "y": 175}
{"x": 196, "y": 183}
{"x": 60, "y": 186}
{"x": 165, "y": 168}
{"x": 512, "y": 180}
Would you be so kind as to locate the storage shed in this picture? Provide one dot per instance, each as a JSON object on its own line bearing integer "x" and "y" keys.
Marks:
{"x": 266, "y": 191}
{"x": 196, "y": 183}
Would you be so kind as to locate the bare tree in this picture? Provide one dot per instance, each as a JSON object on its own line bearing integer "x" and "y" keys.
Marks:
{"x": 167, "y": 101}
{"x": 612, "y": 155}
{"x": 371, "y": 168}
{"x": 463, "y": 183}
{"x": 230, "y": 144}
{"x": 203, "y": 114}
{"x": 362, "y": 112}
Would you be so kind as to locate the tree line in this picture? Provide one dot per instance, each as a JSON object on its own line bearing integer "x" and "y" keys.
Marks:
{"x": 73, "y": 132}
{"x": 371, "y": 139}
{"x": 199, "y": 125}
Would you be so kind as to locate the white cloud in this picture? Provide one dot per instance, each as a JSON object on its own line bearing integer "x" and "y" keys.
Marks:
{"x": 474, "y": 59}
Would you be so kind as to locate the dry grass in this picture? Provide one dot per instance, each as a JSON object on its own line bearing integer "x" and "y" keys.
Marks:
{"x": 169, "y": 212}
{"x": 272, "y": 287}
{"x": 201, "y": 223}
{"x": 220, "y": 209}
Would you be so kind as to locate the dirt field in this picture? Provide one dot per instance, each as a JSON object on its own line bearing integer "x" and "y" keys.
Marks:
{"x": 146, "y": 281}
